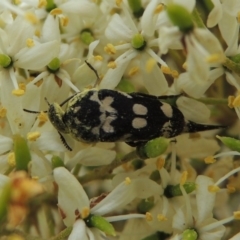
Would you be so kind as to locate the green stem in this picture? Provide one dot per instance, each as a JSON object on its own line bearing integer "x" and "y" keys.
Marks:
{"x": 103, "y": 172}
{"x": 231, "y": 65}
{"x": 197, "y": 19}
{"x": 213, "y": 101}
{"x": 63, "y": 234}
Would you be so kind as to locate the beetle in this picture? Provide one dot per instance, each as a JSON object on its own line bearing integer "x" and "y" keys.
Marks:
{"x": 111, "y": 116}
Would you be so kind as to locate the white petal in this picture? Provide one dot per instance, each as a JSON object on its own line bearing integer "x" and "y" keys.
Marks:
{"x": 92, "y": 156}
{"x": 83, "y": 8}
{"x": 227, "y": 32}
{"x": 3, "y": 180}
{"x": 215, "y": 15}
{"x": 124, "y": 194}
{"x": 147, "y": 20}
{"x": 6, "y": 144}
{"x": 38, "y": 56}
{"x": 113, "y": 76}
{"x": 4, "y": 166}
{"x": 154, "y": 81}
{"x": 117, "y": 30}
{"x": 50, "y": 29}
{"x": 79, "y": 231}
{"x": 50, "y": 141}
{"x": 193, "y": 89}
{"x": 205, "y": 199}
{"x": 193, "y": 110}
{"x": 71, "y": 195}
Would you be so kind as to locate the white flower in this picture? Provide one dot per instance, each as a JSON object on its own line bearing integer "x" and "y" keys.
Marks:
{"x": 123, "y": 30}
{"x": 74, "y": 203}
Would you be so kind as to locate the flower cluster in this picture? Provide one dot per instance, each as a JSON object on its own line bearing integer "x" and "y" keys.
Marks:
{"x": 54, "y": 186}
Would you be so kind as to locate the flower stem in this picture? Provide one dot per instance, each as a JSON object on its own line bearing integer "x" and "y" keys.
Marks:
{"x": 213, "y": 101}
{"x": 231, "y": 65}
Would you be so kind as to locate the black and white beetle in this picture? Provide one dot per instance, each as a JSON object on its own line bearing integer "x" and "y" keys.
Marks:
{"x": 111, "y": 116}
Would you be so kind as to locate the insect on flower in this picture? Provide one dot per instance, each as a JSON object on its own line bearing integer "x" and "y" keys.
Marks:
{"x": 112, "y": 116}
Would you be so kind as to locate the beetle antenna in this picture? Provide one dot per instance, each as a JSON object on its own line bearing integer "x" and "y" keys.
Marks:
{"x": 95, "y": 71}
{"x": 64, "y": 142}
{"x": 66, "y": 100}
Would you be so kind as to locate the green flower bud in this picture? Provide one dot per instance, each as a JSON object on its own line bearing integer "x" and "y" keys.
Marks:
{"x": 180, "y": 17}
{"x": 5, "y": 60}
{"x": 138, "y": 42}
{"x": 136, "y": 7}
{"x": 174, "y": 191}
{"x": 22, "y": 153}
{"x": 86, "y": 36}
{"x": 54, "y": 65}
{"x": 100, "y": 223}
{"x": 5, "y": 194}
{"x": 50, "y": 5}
{"x": 125, "y": 86}
{"x": 232, "y": 143}
{"x": 57, "y": 162}
{"x": 145, "y": 205}
{"x": 235, "y": 58}
{"x": 189, "y": 234}
{"x": 153, "y": 148}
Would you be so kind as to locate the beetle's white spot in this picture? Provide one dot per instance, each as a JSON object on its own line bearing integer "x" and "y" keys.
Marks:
{"x": 126, "y": 95}
{"x": 139, "y": 109}
{"x": 139, "y": 123}
{"x": 95, "y": 130}
{"x": 76, "y": 109}
{"x": 76, "y": 120}
{"x": 167, "y": 110}
{"x": 167, "y": 129}
{"x": 106, "y": 104}
{"x": 107, "y": 125}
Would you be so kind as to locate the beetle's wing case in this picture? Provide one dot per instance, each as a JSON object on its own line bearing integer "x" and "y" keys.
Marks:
{"x": 109, "y": 116}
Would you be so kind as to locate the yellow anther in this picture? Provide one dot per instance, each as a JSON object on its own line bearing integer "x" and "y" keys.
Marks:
{"x": 30, "y": 42}
{"x": 56, "y": 11}
{"x": 31, "y": 18}
{"x": 42, "y": 3}
{"x": 98, "y": 58}
{"x": 22, "y": 86}
{"x": 37, "y": 33}
{"x": 85, "y": 212}
{"x": 213, "y": 188}
{"x": 42, "y": 118}
{"x": 33, "y": 136}
{"x": 148, "y": 216}
{"x": 231, "y": 189}
{"x": 209, "y": 159}
{"x": 64, "y": 21}
{"x": 118, "y": 3}
{"x": 16, "y": 2}
{"x": 150, "y": 65}
{"x": 3, "y": 112}
{"x": 161, "y": 217}
{"x": 215, "y": 58}
{"x": 166, "y": 69}
{"x": 238, "y": 17}
{"x": 158, "y": 8}
{"x": 184, "y": 177}
{"x": 110, "y": 49}
{"x": 11, "y": 159}
{"x": 174, "y": 73}
{"x": 133, "y": 71}
{"x": 160, "y": 163}
{"x": 127, "y": 181}
{"x": 230, "y": 101}
{"x": 236, "y": 101}
{"x": 18, "y": 92}
{"x": 236, "y": 215}
{"x": 112, "y": 65}
{"x": 184, "y": 66}
{"x": 15, "y": 237}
